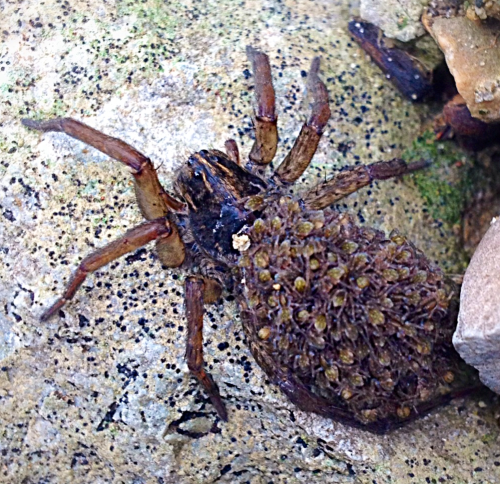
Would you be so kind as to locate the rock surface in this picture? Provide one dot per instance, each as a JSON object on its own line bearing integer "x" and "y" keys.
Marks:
{"x": 399, "y": 19}
{"x": 472, "y": 52}
{"x": 103, "y": 394}
{"x": 477, "y": 337}
{"x": 482, "y": 10}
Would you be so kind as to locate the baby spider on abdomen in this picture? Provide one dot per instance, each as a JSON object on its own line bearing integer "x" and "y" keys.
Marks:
{"x": 349, "y": 323}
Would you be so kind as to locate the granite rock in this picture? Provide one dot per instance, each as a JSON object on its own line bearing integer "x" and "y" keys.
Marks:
{"x": 103, "y": 394}
{"x": 399, "y": 19}
{"x": 472, "y": 53}
{"x": 477, "y": 337}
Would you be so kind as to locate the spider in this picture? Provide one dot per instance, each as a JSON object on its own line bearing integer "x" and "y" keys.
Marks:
{"x": 349, "y": 323}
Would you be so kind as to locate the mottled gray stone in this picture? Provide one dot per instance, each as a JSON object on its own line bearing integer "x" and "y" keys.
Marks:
{"x": 477, "y": 337}
{"x": 103, "y": 394}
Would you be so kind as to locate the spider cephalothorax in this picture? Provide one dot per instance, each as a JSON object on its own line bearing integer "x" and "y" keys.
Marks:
{"x": 351, "y": 324}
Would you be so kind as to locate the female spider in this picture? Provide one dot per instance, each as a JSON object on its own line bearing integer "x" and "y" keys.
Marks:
{"x": 351, "y": 324}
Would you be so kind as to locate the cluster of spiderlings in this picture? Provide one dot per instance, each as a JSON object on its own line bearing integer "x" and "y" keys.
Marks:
{"x": 360, "y": 318}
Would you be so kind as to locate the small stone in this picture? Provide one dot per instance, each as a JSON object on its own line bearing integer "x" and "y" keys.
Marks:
{"x": 477, "y": 337}
{"x": 472, "y": 52}
{"x": 399, "y": 19}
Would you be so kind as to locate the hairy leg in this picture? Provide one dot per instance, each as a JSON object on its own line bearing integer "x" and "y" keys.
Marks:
{"x": 213, "y": 275}
{"x": 266, "y": 131}
{"x": 194, "y": 288}
{"x": 307, "y": 142}
{"x": 232, "y": 151}
{"x": 214, "y": 278}
{"x": 159, "y": 229}
{"x": 153, "y": 201}
{"x": 353, "y": 178}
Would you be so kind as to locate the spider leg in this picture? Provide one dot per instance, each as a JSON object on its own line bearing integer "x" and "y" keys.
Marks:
{"x": 266, "y": 130}
{"x": 353, "y": 178}
{"x": 194, "y": 288}
{"x": 232, "y": 151}
{"x": 153, "y": 200}
{"x": 206, "y": 268}
{"x": 159, "y": 229}
{"x": 212, "y": 277}
{"x": 307, "y": 142}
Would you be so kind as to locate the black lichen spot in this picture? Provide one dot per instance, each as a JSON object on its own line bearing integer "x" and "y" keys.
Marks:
{"x": 17, "y": 317}
{"x": 223, "y": 346}
{"x": 79, "y": 459}
{"x": 9, "y": 215}
{"x": 108, "y": 418}
{"x": 82, "y": 321}
{"x": 138, "y": 255}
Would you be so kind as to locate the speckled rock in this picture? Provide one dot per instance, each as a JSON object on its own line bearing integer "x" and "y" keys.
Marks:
{"x": 472, "y": 52}
{"x": 103, "y": 394}
{"x": 477, "y": 337}
{"x": 399, "y": 19}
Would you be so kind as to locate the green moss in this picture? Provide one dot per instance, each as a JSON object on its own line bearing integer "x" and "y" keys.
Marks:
{"x": 90, "y": 188}
{"x": 403, "y": 22}
{"x": 490, "y": 437}
{"x": 154, "y": 16}
{"x": 447, "y": 184}
{"x": 58, "y": 109}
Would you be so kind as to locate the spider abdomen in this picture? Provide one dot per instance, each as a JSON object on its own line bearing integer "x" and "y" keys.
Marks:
{"x": 352, "y": 322}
